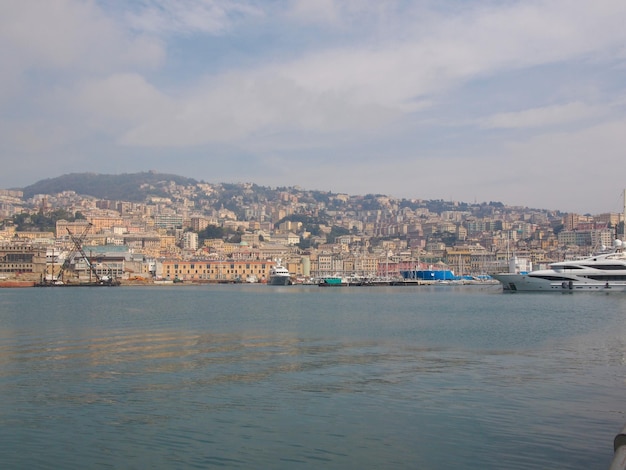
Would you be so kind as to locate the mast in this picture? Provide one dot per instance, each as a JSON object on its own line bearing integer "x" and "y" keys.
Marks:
{"x": 624, "y": 219}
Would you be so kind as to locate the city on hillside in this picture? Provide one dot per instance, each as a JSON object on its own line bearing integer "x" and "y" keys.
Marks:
{"x": 187, "y": 231}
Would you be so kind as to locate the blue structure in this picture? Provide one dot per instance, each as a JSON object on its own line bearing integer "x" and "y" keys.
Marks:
{"x": 430, "y": 275}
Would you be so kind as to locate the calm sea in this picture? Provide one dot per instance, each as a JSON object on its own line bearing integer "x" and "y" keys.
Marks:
{"x": 260, "y": 377}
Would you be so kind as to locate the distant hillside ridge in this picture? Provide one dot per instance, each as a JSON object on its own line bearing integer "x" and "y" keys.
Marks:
{"x": 133, "y": 187}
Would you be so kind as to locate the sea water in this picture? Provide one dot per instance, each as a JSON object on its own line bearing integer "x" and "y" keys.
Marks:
{"x": 262, "y": 377}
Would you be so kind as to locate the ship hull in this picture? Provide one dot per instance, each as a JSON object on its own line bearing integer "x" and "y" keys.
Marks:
{"x": 527, "y": 283}
{"x": 279, "y": 281}
{"x": 14, "y": 284}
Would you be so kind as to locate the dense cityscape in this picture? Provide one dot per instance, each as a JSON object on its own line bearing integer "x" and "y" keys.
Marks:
{"x": 176, "y": 229}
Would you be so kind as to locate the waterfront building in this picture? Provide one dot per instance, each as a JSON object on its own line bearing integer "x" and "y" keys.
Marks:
{"x": 324, "y": 265}
{"x": 367, "y": 266}
{"x": 480, "y": 262}
{"x": 22, "y": 260}
{"x": 298, "y": 267}
{"x": 460, "y": 258}
{"x": 106, "y": 261}
{"x": 214, "y": 270}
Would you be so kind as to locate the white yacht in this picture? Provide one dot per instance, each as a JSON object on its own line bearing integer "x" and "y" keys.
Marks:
{"x": 605, "y": 271}
{"x": 279, "y": 275}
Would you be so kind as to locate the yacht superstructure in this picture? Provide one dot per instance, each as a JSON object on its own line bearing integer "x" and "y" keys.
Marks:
{"x": 600, "y": 272}
{"x": 279, "y": 275}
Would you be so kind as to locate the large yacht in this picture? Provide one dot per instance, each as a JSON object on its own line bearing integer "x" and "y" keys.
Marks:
{"x": 605, "y": 271}
{"x": 279, "y": 275}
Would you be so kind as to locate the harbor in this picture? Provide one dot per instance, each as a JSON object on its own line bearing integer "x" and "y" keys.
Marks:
{"x": 249, "y": 376}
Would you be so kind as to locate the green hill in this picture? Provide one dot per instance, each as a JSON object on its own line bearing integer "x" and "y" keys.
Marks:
{"x": 134, "y": 187}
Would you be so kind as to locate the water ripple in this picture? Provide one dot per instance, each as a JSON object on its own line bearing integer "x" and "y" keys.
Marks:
{"x": 370, "y": 380}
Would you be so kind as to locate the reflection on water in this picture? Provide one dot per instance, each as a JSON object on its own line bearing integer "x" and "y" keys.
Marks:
{"x": 339, "y": 380}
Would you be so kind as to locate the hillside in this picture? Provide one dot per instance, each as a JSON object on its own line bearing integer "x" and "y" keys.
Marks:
{"x": 132, "y": 187}
{"x": 137, "y": 187}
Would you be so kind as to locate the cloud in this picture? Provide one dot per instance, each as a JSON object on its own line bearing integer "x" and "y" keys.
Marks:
{"x": 375, "y": 86}
{"x": 544, "y": 116}
{"x": 120, "y": 100}
{"x": 62, "y": 34}
{"x": 572, "y": 170}
{"x": 49, "y": 50}
{"x": 389, "y": 78}
{"x": 189, "y": 16}
{"x": 324, "y": 11}
{"x": 360, "y": 86}
{"x": 46, "y": 43}
{"x": 249, "y": 106}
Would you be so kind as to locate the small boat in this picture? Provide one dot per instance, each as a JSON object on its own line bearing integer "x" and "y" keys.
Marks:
{"x": 334, "y": 281}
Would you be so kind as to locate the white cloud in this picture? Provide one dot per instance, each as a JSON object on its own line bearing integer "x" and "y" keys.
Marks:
{"x": 121, "y": 100}
{"x": 545, "y": 116}
{"x": 577, "y": 171}
{"x": 574, "y": 170}
{"x": 189, "y": 16}
{"x": 396, "y": 76}
{"x": 348, "y": 88}
{"x": 69, "y": 34}
{"x": 317, "y": 78}
{"x": 432, "y": 57}
{"x": 248, "y": 106}
{"x": 321, "y": 10}
{"x": 46, "y": 43}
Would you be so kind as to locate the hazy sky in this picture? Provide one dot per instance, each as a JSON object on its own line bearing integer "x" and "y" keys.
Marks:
{"x": 522, "y": 102}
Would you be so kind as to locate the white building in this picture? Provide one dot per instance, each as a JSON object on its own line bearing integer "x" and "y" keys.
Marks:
{"x": 190, "y": 241}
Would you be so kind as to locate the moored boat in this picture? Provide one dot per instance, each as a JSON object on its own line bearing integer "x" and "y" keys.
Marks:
{"x": 16, "y": 283}
{"x": 605, "y": 271}
{"x": 279, "y": 275}
{"x": 334, "y": 281}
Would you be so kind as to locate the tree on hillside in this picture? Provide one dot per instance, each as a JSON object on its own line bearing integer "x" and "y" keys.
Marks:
{"x": 212, "y": 232}
{"x": 335, "y": 232}
{"x": 41, "y": 222}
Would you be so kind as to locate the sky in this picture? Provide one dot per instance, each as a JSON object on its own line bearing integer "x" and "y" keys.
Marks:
{"x": 520, "y": 102}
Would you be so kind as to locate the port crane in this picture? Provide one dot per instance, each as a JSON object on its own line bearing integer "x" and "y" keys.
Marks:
{"x": 78, "y": 247}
